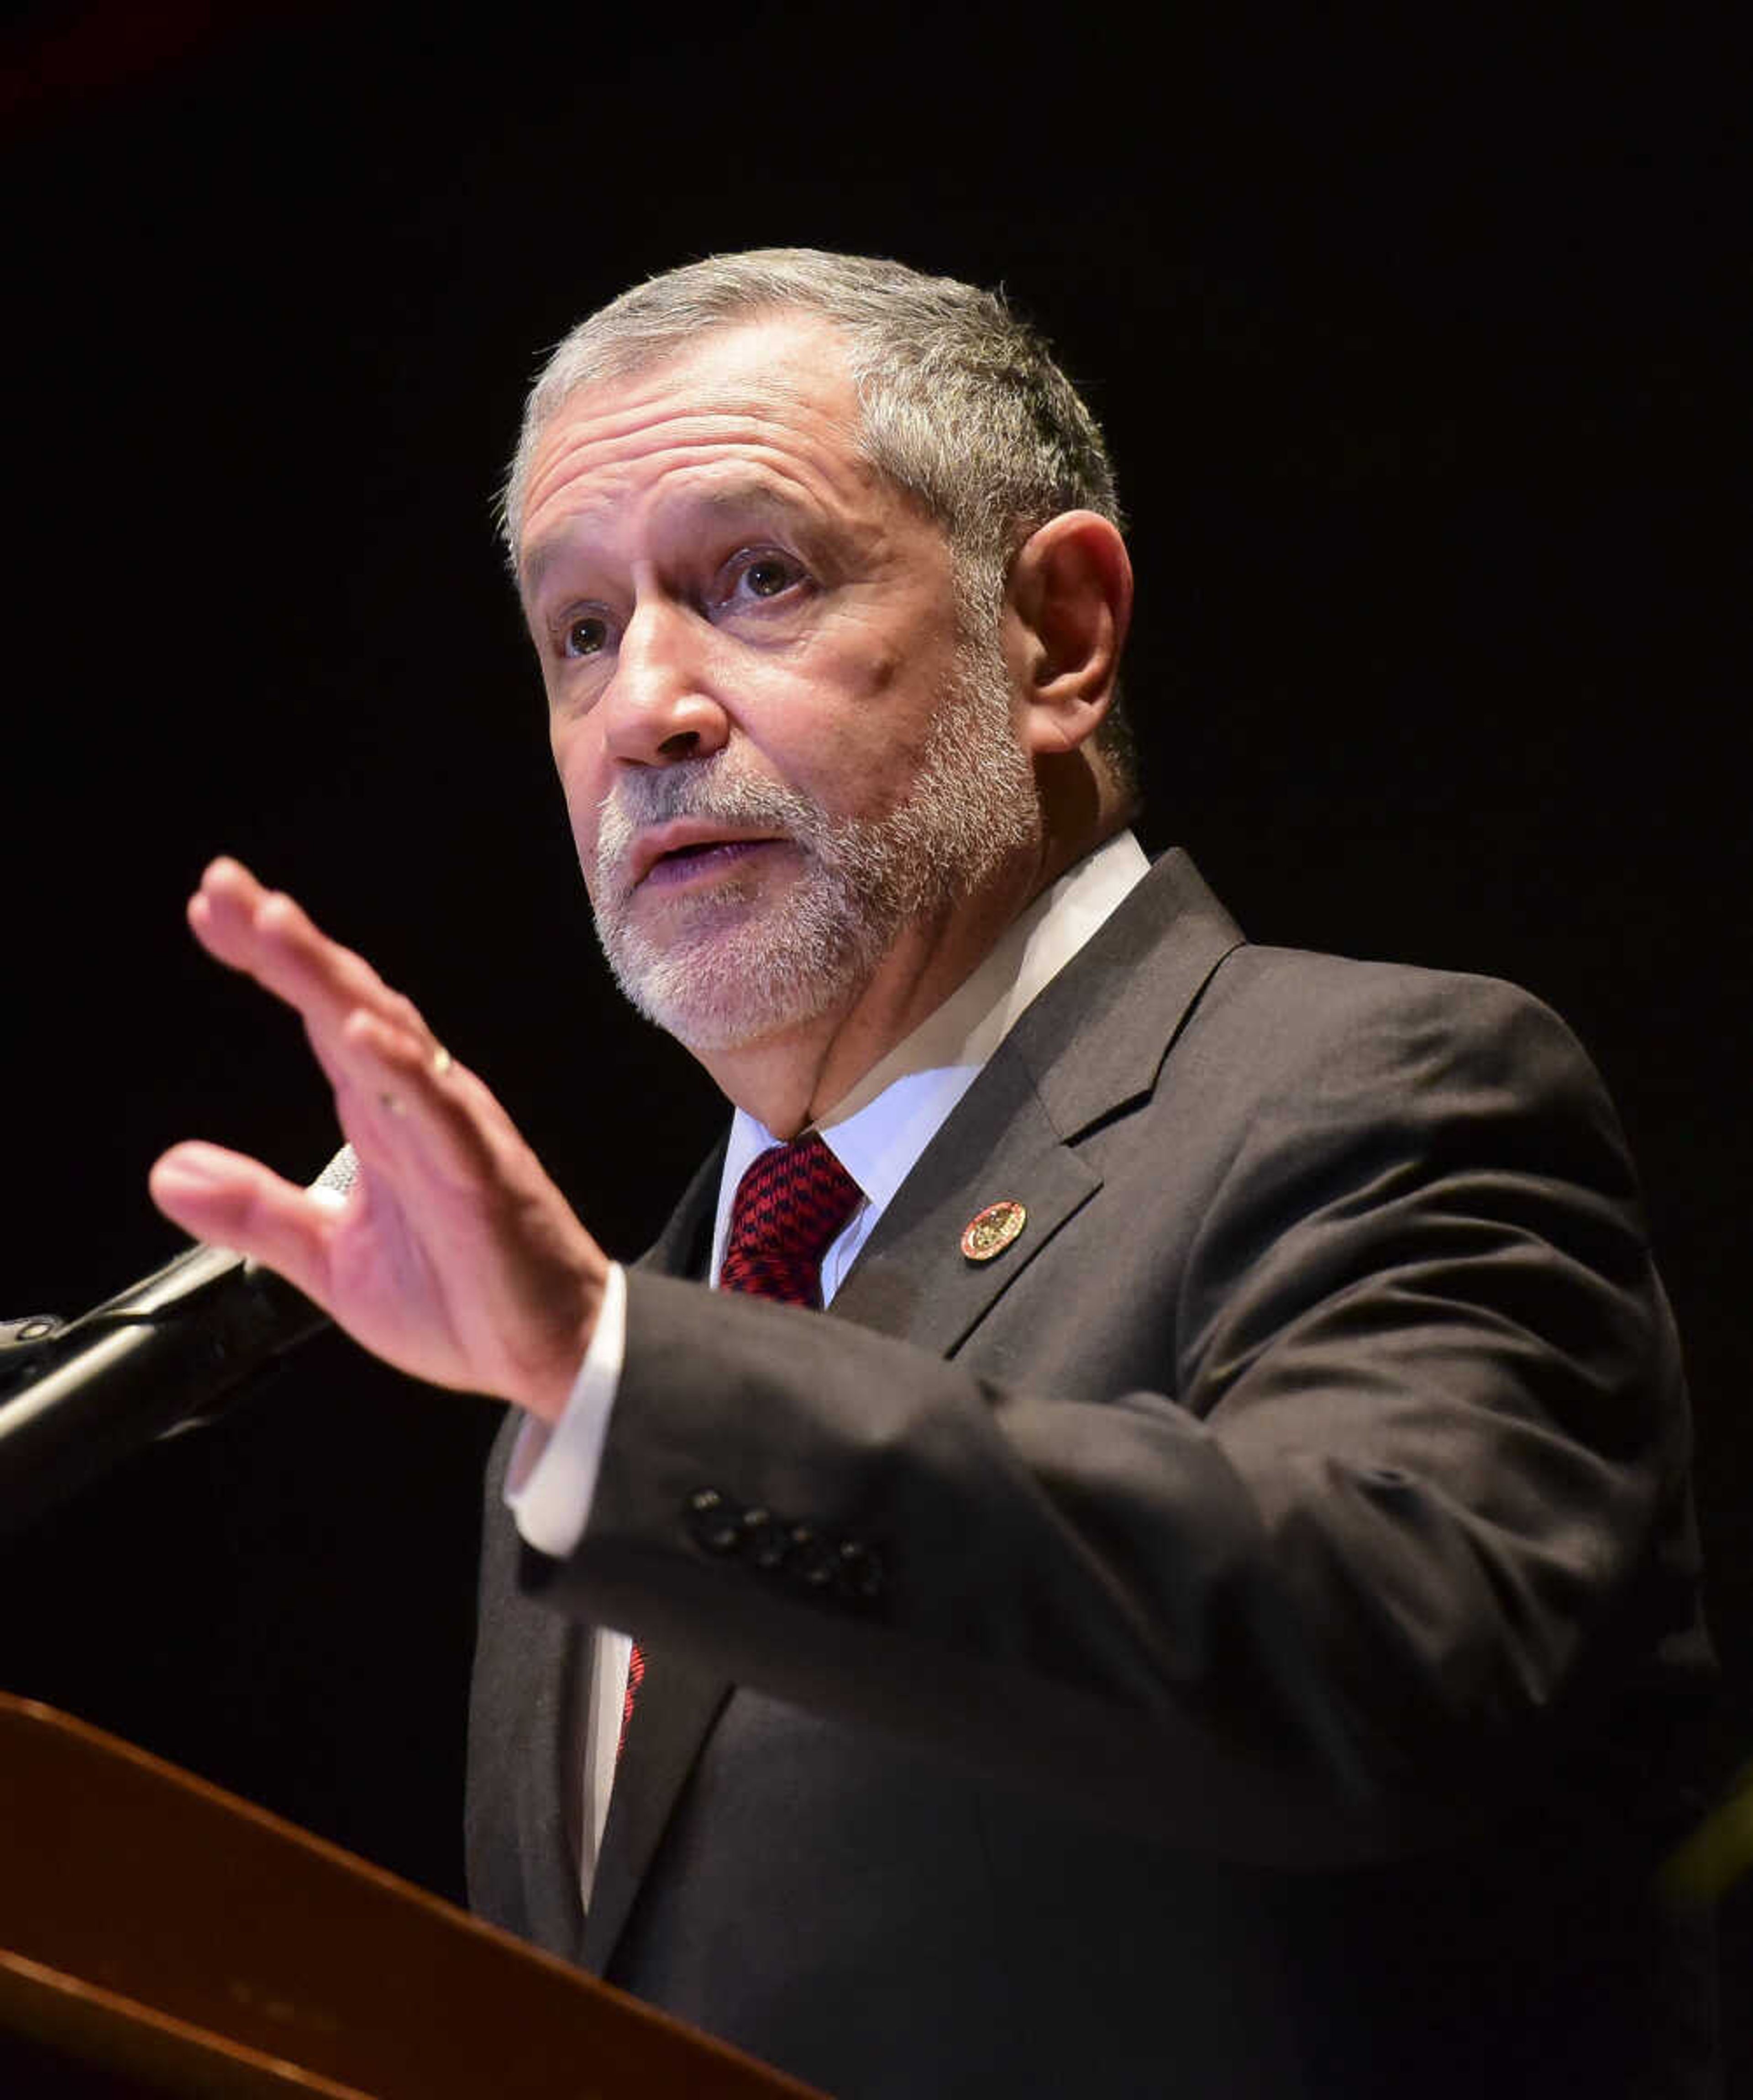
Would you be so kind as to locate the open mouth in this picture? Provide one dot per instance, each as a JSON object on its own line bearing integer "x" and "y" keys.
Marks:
{"x": 701, "y": 857}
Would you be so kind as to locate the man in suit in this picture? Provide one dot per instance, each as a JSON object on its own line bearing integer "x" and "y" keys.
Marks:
{"x": 1210, "y": 1606}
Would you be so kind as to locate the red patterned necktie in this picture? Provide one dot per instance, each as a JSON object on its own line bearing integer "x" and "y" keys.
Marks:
{"x": 790, "y": 1207}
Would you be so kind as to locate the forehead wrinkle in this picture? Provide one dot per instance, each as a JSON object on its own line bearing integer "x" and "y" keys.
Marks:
{"x": 692, "y": 384}
{"x": 767, "y": 470}
{"x": 621, "y": 424}
{"x": 633, "y": 440}
{"x": 814, "y": 394}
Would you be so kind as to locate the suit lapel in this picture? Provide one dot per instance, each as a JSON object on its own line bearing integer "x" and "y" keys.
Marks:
{"x": 678, "y": 1704}
{"x": 684, "y": 1246}
{"x": 521, "y": 1751}
{"x": 1095, "y": 1039}
{"x": 553, "y": 1654}
{"x": 1098, "y": 1035}
{"x": 912, "y": 1280}
{"x": 679, "y": 1700}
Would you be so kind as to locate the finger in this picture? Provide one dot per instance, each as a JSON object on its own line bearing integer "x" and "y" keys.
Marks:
{"x": 266, "y": 936}
{"x": 271, "y": 938}
{"x": 419, "y": 1109}
{"x": 235, "y": 1201}
{"x": 223, "y": 911}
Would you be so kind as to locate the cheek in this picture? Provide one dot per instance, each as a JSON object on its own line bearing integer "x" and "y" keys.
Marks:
{"x": 882, "y": 670}
{"x": 854, "y": 734}
{"x": 580, "y": 784}
{"x": 914, "y": 692}
{"x": 884, "y": 681}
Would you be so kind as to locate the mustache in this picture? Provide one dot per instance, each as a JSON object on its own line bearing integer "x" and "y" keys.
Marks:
{"x": 705, "y": 790}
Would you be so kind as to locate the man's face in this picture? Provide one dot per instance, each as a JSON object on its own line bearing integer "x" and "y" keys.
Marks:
{"x": 783, "y": 768}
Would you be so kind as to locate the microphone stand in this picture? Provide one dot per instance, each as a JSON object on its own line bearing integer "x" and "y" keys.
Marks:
{"x": 77, "y": 1397}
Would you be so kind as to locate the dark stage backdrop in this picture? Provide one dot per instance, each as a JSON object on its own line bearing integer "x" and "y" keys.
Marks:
{"x": 1417, "y": 359}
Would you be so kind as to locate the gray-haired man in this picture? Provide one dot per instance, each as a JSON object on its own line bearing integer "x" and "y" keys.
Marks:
{"x": 1190, "y": 1617}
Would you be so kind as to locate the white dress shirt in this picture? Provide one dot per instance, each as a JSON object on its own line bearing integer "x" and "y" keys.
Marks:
{"x": 878, "y": 1133}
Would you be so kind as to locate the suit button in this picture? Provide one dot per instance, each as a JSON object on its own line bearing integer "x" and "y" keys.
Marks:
{"x": 712, "y": 1524}
{"x": 763, "y": 1541}
{"x": 809, "y": 1560}
{"x": 860, "y": 1573}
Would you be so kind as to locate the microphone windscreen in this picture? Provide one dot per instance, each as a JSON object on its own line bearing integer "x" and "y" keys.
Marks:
{"x": 340, "y": 1173}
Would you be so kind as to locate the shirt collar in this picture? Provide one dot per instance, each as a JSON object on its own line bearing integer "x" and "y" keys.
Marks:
{"x": 879, "y": 1130}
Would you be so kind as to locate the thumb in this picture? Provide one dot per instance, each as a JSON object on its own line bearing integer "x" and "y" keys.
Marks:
{"x": 232, "y": 1201}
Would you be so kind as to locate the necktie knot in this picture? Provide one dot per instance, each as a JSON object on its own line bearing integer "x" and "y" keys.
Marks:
{"x": 789, "y": 1206}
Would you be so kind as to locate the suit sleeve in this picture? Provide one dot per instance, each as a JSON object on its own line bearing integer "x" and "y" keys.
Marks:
{"x": 1390, "y": 1507}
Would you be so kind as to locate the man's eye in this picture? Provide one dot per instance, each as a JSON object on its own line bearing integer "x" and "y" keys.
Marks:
{"x": 767, "y": 576}
{"x": 586, "y": 636}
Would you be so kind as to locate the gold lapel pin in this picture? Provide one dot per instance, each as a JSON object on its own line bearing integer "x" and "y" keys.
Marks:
{"x": 993, "y": 1230}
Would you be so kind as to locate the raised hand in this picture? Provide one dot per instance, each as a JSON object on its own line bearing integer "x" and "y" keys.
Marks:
{"x": 453, "y": 1257}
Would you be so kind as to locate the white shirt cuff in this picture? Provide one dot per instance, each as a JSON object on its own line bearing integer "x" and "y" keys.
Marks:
{"x": 552, "y": 1476}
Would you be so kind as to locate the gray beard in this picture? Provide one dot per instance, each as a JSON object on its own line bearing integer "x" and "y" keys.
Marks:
{"x": 736, "y": 966}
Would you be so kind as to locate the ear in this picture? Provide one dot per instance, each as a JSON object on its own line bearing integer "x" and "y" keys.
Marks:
{"x": 1067, "y": 606}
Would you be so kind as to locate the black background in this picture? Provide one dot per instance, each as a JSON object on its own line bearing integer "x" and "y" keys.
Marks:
{"x": 1419, "y": 352}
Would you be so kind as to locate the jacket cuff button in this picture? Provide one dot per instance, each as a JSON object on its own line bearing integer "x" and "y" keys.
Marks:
{"x": 712, "y": 1524}
{"x": 763, "y": 1541}
{"x": 809, "y": 1560}
{"x": 861, "y": 1572}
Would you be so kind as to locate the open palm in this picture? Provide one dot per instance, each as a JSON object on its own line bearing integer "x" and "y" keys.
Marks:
{"x": 453, "y": 1257}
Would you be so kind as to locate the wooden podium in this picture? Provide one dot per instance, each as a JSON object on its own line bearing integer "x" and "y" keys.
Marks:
{"x": 158, "y": 1936}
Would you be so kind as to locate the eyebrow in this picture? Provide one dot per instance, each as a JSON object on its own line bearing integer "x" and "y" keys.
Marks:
{"x": 748, "y": 496}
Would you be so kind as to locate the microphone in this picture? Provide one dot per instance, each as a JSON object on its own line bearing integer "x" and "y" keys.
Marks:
{"x": 76, "y": 1399}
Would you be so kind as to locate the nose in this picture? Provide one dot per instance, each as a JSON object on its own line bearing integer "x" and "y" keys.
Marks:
{"x": 660, "y": 706}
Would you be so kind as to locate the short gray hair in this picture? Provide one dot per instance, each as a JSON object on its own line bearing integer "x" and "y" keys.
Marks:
{"x": 962, "y": 403}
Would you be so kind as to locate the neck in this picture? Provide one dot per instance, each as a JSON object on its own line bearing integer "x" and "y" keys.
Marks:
{"x": 790, "y": 1078}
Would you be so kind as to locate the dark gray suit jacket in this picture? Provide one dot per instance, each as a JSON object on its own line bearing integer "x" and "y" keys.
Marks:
{"x": 1238, "y": 1640}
